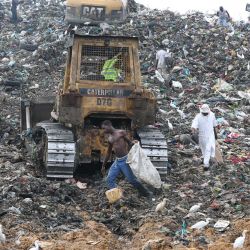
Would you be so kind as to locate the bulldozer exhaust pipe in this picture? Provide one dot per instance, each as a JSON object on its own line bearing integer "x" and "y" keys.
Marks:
{"x": 27, "y": 112}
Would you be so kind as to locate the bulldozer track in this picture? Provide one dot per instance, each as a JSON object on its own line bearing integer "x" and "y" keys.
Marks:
{"x": 59, "y": 155}
{"x": 154, "y": 145}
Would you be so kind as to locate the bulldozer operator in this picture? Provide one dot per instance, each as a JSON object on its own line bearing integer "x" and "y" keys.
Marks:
{"x": 109, "y": 71}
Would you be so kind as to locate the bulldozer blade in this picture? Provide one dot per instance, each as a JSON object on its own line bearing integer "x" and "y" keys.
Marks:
{"x": 39, "y": 109}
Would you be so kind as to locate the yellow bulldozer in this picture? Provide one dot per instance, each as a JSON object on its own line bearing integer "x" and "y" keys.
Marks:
{"x": 95, "y": 12}
{"x": 102, "y": 81}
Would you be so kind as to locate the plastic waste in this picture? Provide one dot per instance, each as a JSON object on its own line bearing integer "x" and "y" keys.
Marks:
{"x": 222, "y": 86}
{"x": 173, "y": 104}
{"x": 165, "y": 42}
{"x": 142, "y": 167}
{"x": 14, "y": 210}
{"x": 11, "y": 63}
{"x": 244, "y": 95}
{"x": 176, "y": 69}
{"x": 233, "y": 135}
{"x": 5, "y": 60}
{"x": 183, "y": 231}
{"x": 221, "y": 225}
{"x": 113, "y": 195}
{"x": 222, "y": 121}
{"x": 159, "y": 76}
{"x": 81, "y": 185}
{"x": 181, "y": 113}
{"x": 161, "y": 206}
{"x": 241, "y": 56}
{"x": 223, "y": 134}
{"x": 186, "y": 72}
{"x": 163, "y": 111}
{"x": 177, "y": 85}
{"x": 181, "y": 94}
{"x": 238, "y": 159}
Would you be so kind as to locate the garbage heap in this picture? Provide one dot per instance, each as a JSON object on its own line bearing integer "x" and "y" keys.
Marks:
{"x": 209, "y": 64}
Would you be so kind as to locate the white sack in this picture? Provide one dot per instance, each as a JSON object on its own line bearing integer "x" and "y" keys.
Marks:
{"x": 177, "y": 85}
{"x": 159, "y": 76}
{"x": 142, "y": 167}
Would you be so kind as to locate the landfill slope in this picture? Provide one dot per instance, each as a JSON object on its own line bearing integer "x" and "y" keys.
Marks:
{"x": 212, "y": 65}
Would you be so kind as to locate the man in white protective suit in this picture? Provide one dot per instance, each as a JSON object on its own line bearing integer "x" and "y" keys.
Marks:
{"x": 204, "y": 123}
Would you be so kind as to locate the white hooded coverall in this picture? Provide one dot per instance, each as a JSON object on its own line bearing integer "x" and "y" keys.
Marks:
{"x": 160, "y": 57}
{"x": 205, "y": 126}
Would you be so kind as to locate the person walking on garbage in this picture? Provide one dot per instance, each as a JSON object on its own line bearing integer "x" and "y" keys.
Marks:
{"x": 109, "y": 71}
{"x": 224, "y": 17}
{"x": 151, "y": 28}
{"x": 120, "y": 144}
{"x": 161, "y": 58}
{"x": 205, "y": 124}
{"x": 14, "y": 5}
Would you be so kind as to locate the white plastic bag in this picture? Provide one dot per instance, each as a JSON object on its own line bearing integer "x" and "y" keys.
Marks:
{"x": 159, "y": 76}
{"x": 177, "y": 85}
{"x": 244, "y": 95}
{"x": 223, "y": 86}
{"x": 142, "y": 167}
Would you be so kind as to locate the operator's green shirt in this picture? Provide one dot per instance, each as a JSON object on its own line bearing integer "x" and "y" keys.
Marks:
{"x": 109, "y": 71}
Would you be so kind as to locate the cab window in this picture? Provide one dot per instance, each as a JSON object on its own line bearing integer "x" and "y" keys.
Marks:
{"x": 99, "y": 63}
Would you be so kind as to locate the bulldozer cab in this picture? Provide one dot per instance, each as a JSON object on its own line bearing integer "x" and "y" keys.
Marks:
{"x": 107, "y": 61}
{"x": 95, "y": 12}
{"x": 102, "y": 80}
{"x": 104, "y": 73}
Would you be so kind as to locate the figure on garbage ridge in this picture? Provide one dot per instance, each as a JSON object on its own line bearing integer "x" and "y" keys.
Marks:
{"x": 14, "y": 5}
{"x": 151, "y": 28}
{"x": 205, "y": 123}
{"x": 224, "y": 17}
{"x": 120, "y": 144}
{"x": 161, "y": 61}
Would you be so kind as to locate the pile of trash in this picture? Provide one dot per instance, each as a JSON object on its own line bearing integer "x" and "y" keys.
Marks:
{"x": 209, "y": 64}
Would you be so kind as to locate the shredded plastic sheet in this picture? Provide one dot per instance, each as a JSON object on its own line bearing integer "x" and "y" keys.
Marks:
{"x": 223, "y": 86}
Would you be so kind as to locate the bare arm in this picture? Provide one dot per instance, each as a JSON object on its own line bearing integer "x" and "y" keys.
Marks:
{"x": 156, "y": 63}
{"x": 195, "y": 125}
{"x": 215, "y": 133}
{"x": 108, "y": 155}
